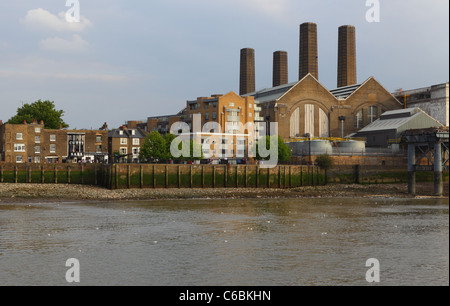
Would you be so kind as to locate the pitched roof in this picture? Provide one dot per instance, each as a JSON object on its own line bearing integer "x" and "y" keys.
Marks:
{"x": 396, "y": 119}
{"x": 139, "y": 133}
{"x": 274, "y": 93}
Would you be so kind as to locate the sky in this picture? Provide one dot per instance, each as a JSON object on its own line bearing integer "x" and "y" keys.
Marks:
{"x": 129, "y": 60}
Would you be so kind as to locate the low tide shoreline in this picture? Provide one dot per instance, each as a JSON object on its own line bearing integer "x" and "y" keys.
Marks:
{"x": 13, "y": 193}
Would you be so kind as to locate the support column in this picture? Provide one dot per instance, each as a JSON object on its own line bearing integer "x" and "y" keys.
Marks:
{"x": 411, "y": 169}
{"x": 438, "y": 182}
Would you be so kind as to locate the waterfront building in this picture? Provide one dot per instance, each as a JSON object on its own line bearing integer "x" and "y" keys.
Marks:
{"x": 388, "y": 129}
{"x": 124, "y": 144}
{"x": 33, "y": 143}
{"x": 434, "y": 100}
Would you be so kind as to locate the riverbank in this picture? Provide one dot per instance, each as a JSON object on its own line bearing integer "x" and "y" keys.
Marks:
{"x": 53, "y": 192}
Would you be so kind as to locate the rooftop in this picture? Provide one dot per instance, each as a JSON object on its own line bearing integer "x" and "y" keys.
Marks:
{"x": 274, "y": 93}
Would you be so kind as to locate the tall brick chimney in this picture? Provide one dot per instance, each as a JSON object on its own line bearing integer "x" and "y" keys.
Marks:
{"x": 346, "y": 56}
{"x": 247, "y": 72}
{"x": 280, "y": 68}
{"x": 309, "y": 59}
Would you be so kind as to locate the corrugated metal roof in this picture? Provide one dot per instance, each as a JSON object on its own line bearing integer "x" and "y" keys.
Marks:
{"x": 344, "y": 92}
{"x": 397, "y": 119}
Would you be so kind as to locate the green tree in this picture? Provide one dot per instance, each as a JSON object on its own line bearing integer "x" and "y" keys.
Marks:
{"x": 40, "y": 110}
{"x": 154, "y": 148}
{"x": 192, "y": 145}
{"x": 284, "y": 151}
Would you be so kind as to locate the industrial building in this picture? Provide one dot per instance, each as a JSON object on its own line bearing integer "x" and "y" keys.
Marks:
{"x": 306, "y": 107}
{"x": 433, "y": 100}
{"x": 389, "y": 127}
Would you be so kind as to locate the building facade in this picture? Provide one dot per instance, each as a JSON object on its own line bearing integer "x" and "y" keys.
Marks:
{"x": 434, "y": 100}
{"x": 33, "y": 143}
{"x": 124, "y": 144}
{"x": 308, "y": 108}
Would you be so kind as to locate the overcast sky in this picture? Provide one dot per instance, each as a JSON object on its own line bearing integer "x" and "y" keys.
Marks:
{"x": 128, "y": 59}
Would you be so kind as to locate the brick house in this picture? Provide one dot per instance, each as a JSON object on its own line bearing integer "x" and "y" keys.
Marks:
{"x": 125, "y": 143}
{"x": 33, "y": 143}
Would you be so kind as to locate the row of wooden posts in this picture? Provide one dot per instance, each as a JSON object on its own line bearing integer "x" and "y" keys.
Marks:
{"x": 118, "y": 176}
{"x": 284, "y": 176}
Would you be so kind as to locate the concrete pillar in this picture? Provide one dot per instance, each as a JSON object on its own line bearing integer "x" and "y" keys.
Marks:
{"x": 438, "y": 182}
{"x": 411, "y": 169}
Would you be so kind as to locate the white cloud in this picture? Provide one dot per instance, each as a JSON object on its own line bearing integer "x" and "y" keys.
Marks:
{"x": 56, "y": 44}
{"x": 40, "y": 19}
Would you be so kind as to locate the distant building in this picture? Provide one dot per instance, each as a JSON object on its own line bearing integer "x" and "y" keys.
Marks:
{"x": 124, "y": 144}
{"x": 307, "y": 107}
{"x": 33, "y": 143}
{"x": 434, "y": 100}
{"x": 390, "y": 126}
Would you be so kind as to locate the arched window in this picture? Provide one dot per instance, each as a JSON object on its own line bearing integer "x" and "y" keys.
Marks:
{"x": 359, "y": 119}
{"x": 295, "y": 123}
{"x": 372, "y": 114}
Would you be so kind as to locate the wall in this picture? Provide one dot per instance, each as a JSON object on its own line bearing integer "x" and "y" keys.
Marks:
{"x": 120, "y": 176}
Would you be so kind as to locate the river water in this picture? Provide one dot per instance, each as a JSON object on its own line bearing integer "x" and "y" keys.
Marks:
{"x": 282, "y": 242}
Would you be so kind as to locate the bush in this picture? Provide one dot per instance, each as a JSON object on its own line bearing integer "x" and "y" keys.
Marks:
{"x": 325, "y": 162}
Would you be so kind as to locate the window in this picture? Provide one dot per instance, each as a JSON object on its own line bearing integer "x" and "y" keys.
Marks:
{"x": 250, "y": 105}
{"x": 359, "y": 119}
{"x": 373, "y": 114}
{"x": 98, "y": 138}
{"x": 37, "y": 149}
{"x": 123, "y": 141}
{"x": 206, "y": 116}
{"x": 231, "y": 104}
{"x": 250, "y": 115}
{"x": 98, "y": 149}
{"x": 123, "y": 151}
{"x": 52, "y": 137}
{"x": 133, "y": 132}
{"x": 19, "y": 136}
{"x": 37, "y": 159}
{"x": 136, "y": 151}
{"x": 135, "y": 141}
{"x": 19, "y": 147}
{"x": 37, "y": 139}
{"x": 52, "y": 148}
{"x": 37, "y": 130}
{"x": 120, "y": 132}
{"x": 19, "y": 159}
{"x": 214, "y": 115}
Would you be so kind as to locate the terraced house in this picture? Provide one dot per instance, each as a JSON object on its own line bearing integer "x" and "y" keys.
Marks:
{"x": 33, "y": 143}
{"x": 124, "y": 144}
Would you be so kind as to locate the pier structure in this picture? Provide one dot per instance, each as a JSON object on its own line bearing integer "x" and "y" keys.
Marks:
{"x": 428, "y": 150}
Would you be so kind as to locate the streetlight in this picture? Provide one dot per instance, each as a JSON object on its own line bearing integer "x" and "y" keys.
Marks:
{"x": 308, "y": 135}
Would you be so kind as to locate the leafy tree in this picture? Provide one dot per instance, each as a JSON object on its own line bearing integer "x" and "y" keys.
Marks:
{"x": 284, "y": 151}
{"x": 154, "y": 148}
{"x": 192, "y": 145}
{"x": 40, "y": 110}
